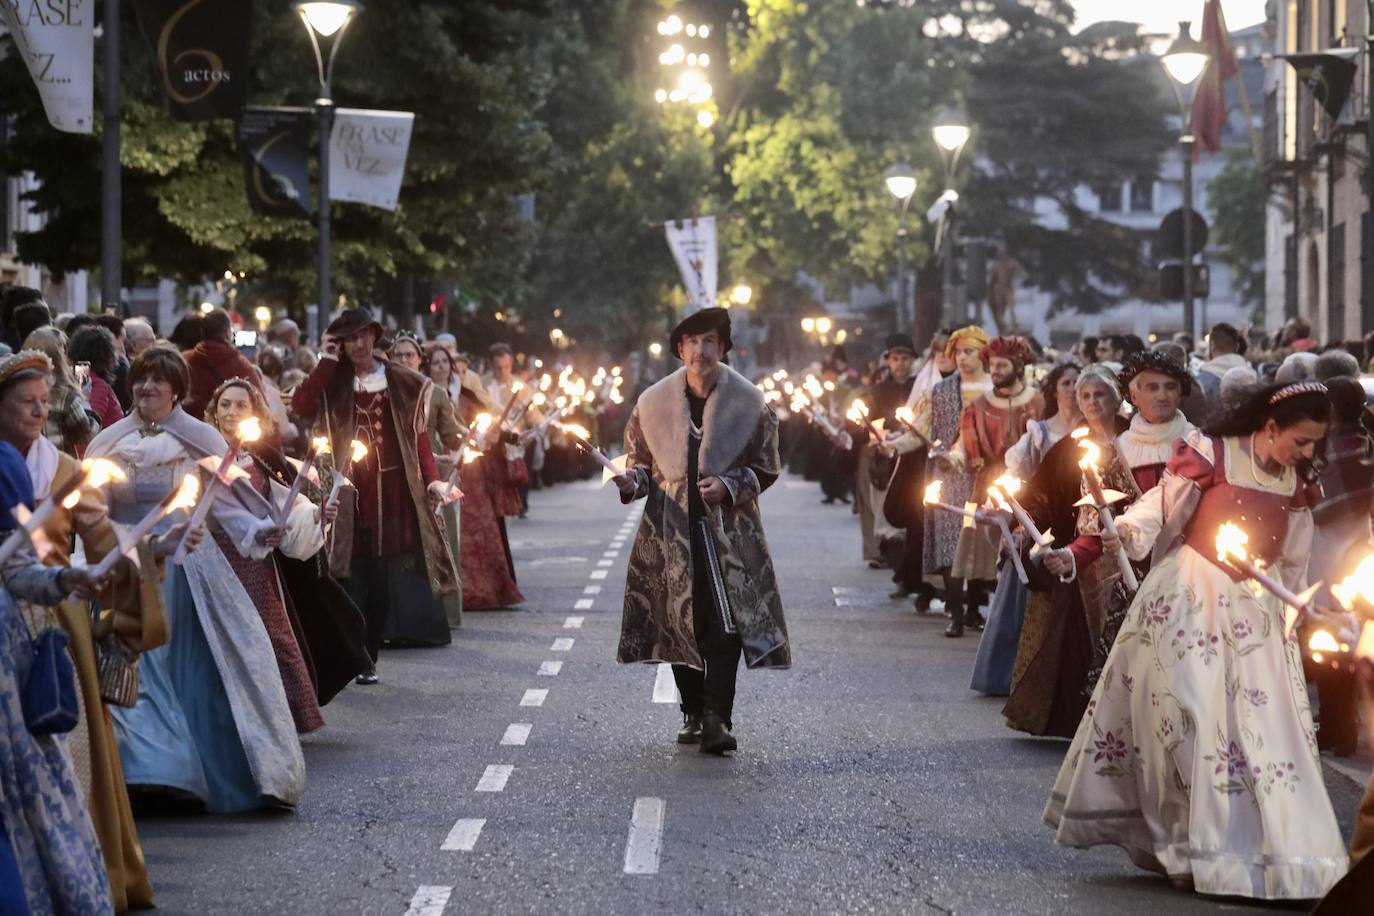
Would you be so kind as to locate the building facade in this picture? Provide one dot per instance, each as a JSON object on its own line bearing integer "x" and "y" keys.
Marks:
{"x": 1318, "y": 232}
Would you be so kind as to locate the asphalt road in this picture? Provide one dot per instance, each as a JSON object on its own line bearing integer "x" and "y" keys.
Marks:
{"x": 869, "y": 778}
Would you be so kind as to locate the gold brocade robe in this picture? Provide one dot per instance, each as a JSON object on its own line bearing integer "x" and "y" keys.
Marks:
{"x": 135, "y": 611}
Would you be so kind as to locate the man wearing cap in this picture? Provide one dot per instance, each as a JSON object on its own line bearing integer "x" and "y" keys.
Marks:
{"x": 876, "y": 460}
{"x": 700, "y": 590}
{"x": 989, "y": 426}
{"x": 400, "y": 551}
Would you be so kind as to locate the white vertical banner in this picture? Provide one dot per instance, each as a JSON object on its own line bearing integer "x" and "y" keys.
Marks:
{"x": 367, "y": 155}
{"x": 57, "y": 43}
{"x": 693, "y": 243}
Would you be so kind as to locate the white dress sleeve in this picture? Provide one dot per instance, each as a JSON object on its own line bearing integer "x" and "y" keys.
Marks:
{"x": 1297, "y": 548}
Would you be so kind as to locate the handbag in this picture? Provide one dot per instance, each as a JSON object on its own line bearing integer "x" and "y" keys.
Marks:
{"x": 517, "y": 472}
{"x": 116, "y": 668}
{"x": 49, "y": 693}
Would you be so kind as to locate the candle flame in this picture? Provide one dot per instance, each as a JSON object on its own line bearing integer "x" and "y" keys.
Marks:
{"x": 1359, "y": 584}
{"x": 321, "y": 445}
{"x": 72, "y": 499}
{"x": 470, "y": 455}
{"x": 1009, "y": 484}
{"x": 906, "y": 415}
{"x": 250, "y": 430}
{"x": 100, "y": 471}
{"x": 359, "y": 451}
{"x": 996, "y": 495}
{"x": 1323, "y": 641}
{"x": 1231, "y": 541}
{"x": 858, "y": 412}
{"x": 577, "y": 432}
{"x": 538, "y": 400}
{"x": 186, "y": 493}
{"x": 828, "y": 386}
{"x": 933, "y": 491}
{"x": 1091, "y": 454}
{"x": 483, "y": 422}
{"x": 1079, "y": 433}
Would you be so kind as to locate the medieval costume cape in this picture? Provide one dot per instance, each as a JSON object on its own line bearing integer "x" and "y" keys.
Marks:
{"x": 207, "y": 721}
{"x": 397, "y": 536}
{"x": 739, "y": 444}
{"x": 1197, "y": 753}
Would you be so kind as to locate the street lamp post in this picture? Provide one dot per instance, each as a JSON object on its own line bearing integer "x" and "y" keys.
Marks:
{"x": 901, "y": 184}
{"x": 1185, "y": 62}
{"x": 951, "y": 133}
{"x": 325, "y": 22}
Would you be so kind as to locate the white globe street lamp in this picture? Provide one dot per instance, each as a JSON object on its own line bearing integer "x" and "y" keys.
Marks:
{"x": 1185, "y": 62}
{"x": 901, "y": 184}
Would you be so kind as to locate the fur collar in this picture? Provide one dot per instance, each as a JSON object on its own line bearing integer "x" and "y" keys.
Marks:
{"x": 727, "y": 426}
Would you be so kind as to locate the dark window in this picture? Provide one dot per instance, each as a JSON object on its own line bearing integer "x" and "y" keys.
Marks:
{"x": 1335, "y": 283}
{"x": 1143, "y": 195}
{"x": 1109, "y": 194}
{"x": 5, "y": 216}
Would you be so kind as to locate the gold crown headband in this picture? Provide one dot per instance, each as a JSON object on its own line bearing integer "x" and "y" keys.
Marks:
{"x": 1288, "y": 391}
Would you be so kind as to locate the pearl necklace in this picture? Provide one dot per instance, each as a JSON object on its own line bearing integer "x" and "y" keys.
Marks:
{"x": 1255, "y": 471}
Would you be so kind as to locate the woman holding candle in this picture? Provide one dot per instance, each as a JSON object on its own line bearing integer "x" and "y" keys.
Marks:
{"x": 231, "y": 403}
{"x": 50, "y": 858}
{"x": 133, "y": 621}
{"x": 486, "y": 571}
{"x": 208, "y": 725}
{"x": 997, "y": 649}
{"x": 446, "y": 435}
{"x": 1055, "y": 649}
{"x": 1197, "y": 753}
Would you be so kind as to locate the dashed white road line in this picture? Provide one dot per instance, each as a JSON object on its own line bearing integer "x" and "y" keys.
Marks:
{"x": 611, "y": 554}
{"x": 429, "y": 900}
{"x": 645, "y": 842}
{"x": 573, "y": 623}
{"x": 604, "y": 563}
{"x": 550, "y": 669}
{"x": 562, "y": 644}
{"x": 599, "y": 573}
{"x": 665, "y": 687}
{"x": 464, "y": 835}
{"x": 494, "y": 777}
{"x": 517, "y": 733}
{"x": 582, "y": 604}
{"x": 592, "y": 590}
{"x": 534, "y": 697}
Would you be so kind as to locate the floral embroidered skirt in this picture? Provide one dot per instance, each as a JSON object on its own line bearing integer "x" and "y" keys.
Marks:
{"x": 1196, "y": 753}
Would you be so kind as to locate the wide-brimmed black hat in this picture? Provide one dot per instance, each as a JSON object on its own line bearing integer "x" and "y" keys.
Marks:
{"x": 354, "y": 321}
{"x": 1154, "y": 361}
{"x": 899, "y": 343}
{"x": 699, "y": 322}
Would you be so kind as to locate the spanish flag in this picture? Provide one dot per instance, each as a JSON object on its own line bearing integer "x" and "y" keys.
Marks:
{"x": 1209, "y": 104}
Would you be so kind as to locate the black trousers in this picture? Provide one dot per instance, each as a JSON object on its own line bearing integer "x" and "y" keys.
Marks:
{"x": 712, "y": 690}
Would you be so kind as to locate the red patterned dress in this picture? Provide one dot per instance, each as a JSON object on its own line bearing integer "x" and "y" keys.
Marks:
{"x": 263, "y": 585}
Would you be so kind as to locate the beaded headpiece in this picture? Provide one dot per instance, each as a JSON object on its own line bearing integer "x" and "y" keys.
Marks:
{"x": 1288, "y": 391}
{"x": 1154, "y": 361}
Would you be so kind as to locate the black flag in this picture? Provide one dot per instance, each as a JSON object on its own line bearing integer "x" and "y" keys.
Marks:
{"x": 1329, "y": 75}
{"x": 274, "y": 144}
{"x": 200, "y": 54}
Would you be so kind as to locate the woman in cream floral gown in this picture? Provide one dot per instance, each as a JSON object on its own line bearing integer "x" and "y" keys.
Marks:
{"x": 1196, "y": 753}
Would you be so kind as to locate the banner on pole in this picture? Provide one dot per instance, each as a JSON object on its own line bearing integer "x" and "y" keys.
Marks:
{"x": 57, "y": 43}
{"x": 367, "y": 155}
{"x": 200, "y": 54}
{"x": 693, "y": 243}
{"x": 1329, "y": 75}
{"x": 274, "y": 145}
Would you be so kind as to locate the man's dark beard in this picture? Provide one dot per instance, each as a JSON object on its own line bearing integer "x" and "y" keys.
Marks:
{"x": 1005, "y": 383}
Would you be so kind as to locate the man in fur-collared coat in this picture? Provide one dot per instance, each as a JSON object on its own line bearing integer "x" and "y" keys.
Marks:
{"x": 700, "y": 590}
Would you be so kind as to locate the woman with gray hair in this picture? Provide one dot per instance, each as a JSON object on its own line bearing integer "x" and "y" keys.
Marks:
{"x": 1064, "y": 613}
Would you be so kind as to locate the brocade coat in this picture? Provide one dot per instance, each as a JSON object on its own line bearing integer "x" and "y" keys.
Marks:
{"x": 739, "y": 433}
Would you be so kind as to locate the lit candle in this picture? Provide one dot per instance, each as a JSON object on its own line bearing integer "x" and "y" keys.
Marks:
{"x": 357, "y": 452}
{"x": 296, "y": 484}
{"x": 94, "y": 473}
{"x": 184, "y": 497}
{"x": 932, "y": 498}
{"x": 583, "y": 438}
{"x": 1091, "y": 455}
{"x": 1004, "y": 491}
{"x": 250, "y": 430}
{"x": 1231, "y": 541}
